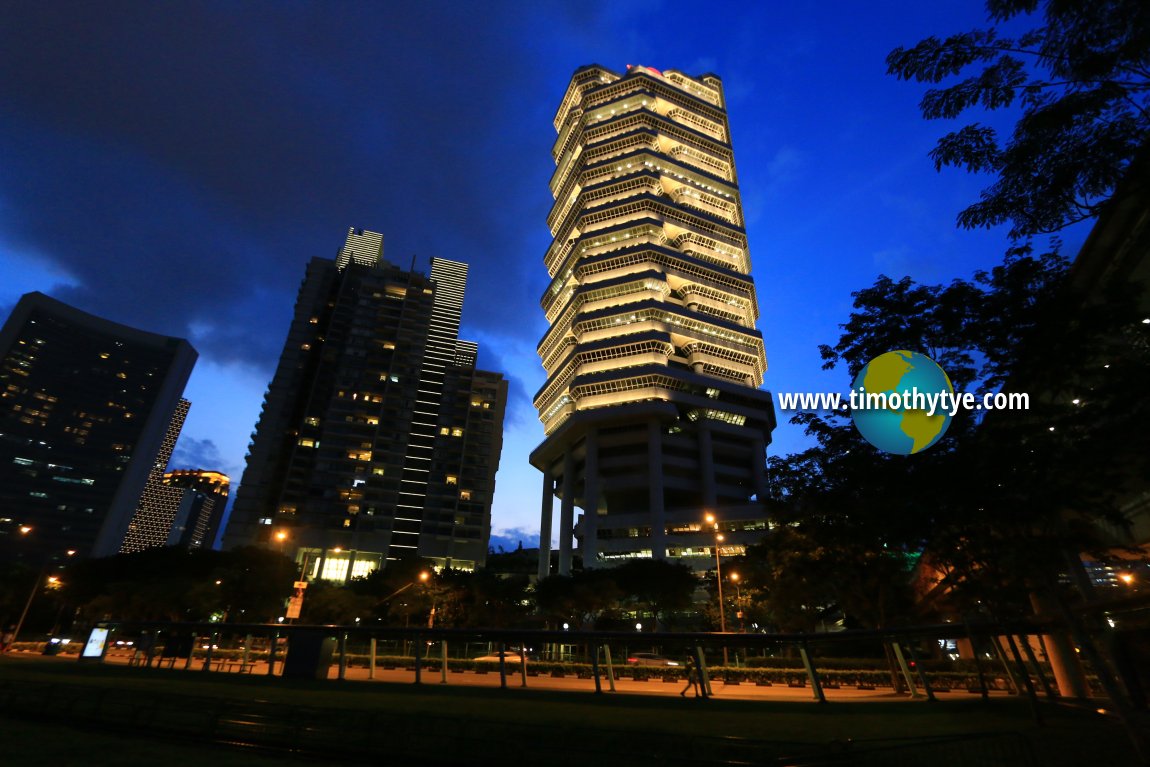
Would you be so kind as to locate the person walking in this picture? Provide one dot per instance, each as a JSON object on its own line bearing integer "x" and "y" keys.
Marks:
{"x": 692, "y": 678}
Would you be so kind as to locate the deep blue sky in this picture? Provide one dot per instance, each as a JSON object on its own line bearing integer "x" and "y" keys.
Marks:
{"x": 173, "y": 166}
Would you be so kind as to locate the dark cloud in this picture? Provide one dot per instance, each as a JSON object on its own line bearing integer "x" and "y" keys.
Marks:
{"x": 183, "y": 161}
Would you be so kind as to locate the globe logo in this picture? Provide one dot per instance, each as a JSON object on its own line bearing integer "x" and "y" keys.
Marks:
{"x": 890, "y": 402}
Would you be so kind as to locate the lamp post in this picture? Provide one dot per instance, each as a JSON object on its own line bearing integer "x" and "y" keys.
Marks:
{"x": 36, "y": 585}
{"x": 738, "y": 599}
{"x": 711, "y": 520}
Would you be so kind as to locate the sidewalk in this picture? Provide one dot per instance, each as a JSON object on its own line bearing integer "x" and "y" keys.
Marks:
{"x": 627, "y": 686}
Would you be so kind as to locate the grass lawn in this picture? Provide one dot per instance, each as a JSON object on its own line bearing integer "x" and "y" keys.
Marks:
{"x": 568, "y": 722}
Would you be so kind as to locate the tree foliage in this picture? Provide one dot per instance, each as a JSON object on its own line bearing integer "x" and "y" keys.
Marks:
{"x": 246, "y": 585}
{"x": 595, "y": 598}
{"x": 1004, "y": 495}
{"x": 1080, "y": 79}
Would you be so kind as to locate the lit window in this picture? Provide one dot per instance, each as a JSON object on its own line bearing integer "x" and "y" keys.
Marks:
{"x": 465, "y": 495}
{"x": 457, "y": 432}
{"x": 452, "y": 479}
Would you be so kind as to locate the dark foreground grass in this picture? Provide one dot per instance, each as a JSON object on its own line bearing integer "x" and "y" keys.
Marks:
{"x": 1069, "y": 736}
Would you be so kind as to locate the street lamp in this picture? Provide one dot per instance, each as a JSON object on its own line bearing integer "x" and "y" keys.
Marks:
{"x": 51, "y": 582}
{"x": 423, "y": 576}
{"x": 738, "y": 598}
{"x": 711, "y": 520}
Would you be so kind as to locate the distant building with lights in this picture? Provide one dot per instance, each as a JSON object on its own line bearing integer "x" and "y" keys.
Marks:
{"x": 651, "y": 408}
{"x": 181, "y": 508}
{"x": 378, "y": 439}
{"x": 85, "y": 407}
{"x": 205, "y": 500}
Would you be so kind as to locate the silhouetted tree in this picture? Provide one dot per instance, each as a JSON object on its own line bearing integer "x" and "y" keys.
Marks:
{"x": 1003, "y": 496}
{"x": 1081, "y": 80}
{"x": 581, "y": 599}
{"x": 246, "y": 584}
{"x": 655, "y": 586}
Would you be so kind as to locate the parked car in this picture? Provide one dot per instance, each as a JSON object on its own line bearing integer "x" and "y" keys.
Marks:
{"x": 650, "y": 659}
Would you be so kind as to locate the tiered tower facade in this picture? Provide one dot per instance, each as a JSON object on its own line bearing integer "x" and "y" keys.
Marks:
{"x": 651, "y": 408}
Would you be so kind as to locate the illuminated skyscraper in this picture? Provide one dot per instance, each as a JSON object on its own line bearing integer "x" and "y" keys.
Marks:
{"x": 651, "y": 409}
{"x": 366, "y": 449}
{"x": 85, "y": 407}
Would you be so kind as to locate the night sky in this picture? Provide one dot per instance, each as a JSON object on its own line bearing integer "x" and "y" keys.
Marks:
{"x": 173, "y": 166}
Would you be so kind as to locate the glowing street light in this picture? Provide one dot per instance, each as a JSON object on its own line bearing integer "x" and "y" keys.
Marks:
{"x": 738, "y": 598}
{"x": 52, "y": 582}
{"x": 711, "y": 520}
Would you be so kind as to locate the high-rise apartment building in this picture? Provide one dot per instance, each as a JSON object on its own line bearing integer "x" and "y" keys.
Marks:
{"x": 651, "y": 408}
{"x": 362, "y": 450}
{"x": 85, "y": 406}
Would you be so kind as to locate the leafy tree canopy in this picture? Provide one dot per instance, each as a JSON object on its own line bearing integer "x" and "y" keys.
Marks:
{"x": 1080, "y": 78}
{"x": 1004, "y": 495}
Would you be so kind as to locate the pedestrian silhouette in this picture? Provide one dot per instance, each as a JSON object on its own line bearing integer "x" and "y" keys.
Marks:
{"x": 692, "y": 678}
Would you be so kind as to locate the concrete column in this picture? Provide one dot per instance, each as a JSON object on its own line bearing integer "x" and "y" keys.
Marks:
{"x": 707, "y": 468}
{"x": 591, "y": 500}
{"x": 567, "y": 514}
{"x": 655, "y": 485}
{"x": 1064, "y": 662}
{"x": 759, "y": 467}
{"x": 545, "y": 525}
